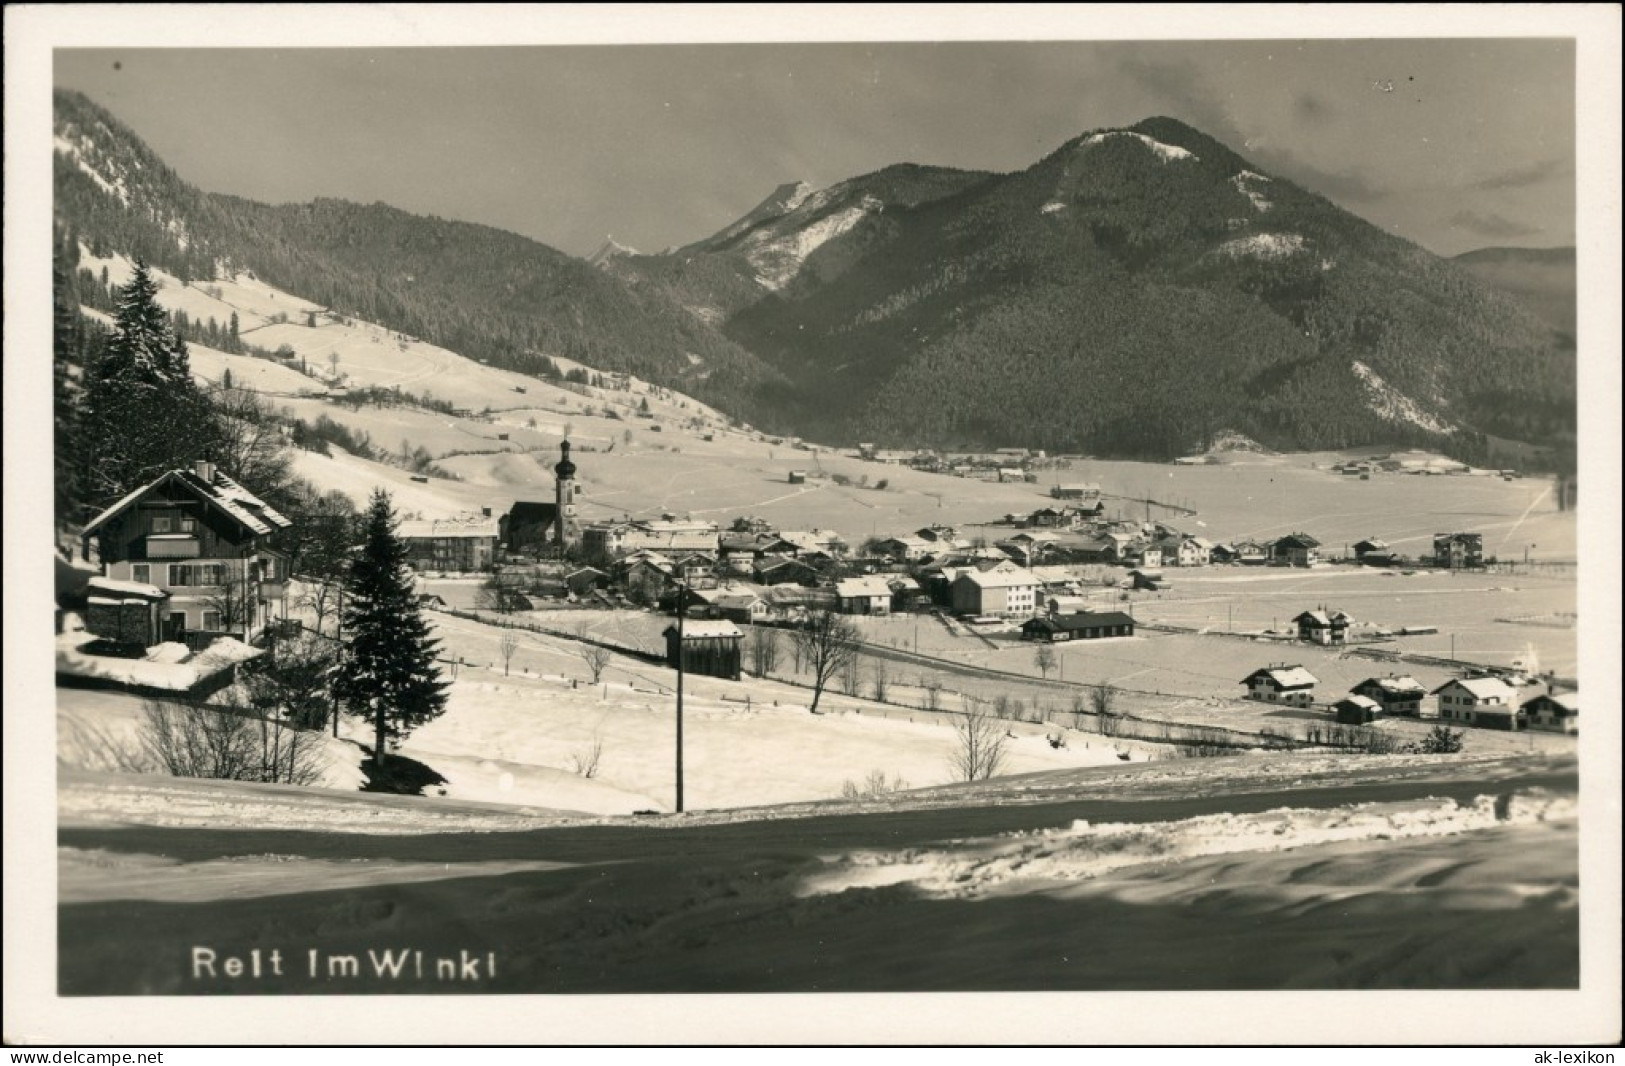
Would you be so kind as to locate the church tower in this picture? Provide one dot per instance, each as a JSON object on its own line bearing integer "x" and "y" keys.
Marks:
{"x": 564, "y": 495}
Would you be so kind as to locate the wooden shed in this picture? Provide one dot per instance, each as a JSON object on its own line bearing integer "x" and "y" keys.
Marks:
{"x": 707, "y": 646}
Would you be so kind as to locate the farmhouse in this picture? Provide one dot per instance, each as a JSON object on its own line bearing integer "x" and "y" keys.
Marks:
{"x": 1456, "y": 551}
{"x": 709, "y": 647}
{"x": 871, "y": 594}
{"x": 1291, "y": 685}
{"x": 906, "y": 548}
{"x": 187, "y": 552}
{"x": 779, "y": 570}
{"x": 1178, "y": 549}
{"x": 1295, "y": 549}
{"x": 1323, "y": 626}
{"x": 1356, "y": 710}
{"x": 1082, "y": 625}
{"x": 1557, "y": 712}
{"x": 1481, "y": 701}
{"x": 1397, "y": 694}
{"x": 1009, "y": 593}
{"x": 1081, "y": 490}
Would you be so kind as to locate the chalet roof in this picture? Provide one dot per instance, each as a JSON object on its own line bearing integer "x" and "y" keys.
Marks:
{"x": 1569, "y": 701}
{"x": 1365, "y": 703}
{"x": 1482, "y": 688}
{"x": 1324, "y": 619}
{"x": 857, "y": 587}
{"x": 1297, "y": 540}
{"x": 219, "y": 492}
{"x": 1371, "y": 544}
{"x": 1285, "y": 677}
{"x": 1395, "y": 686}
{"x": 699, "y": 628}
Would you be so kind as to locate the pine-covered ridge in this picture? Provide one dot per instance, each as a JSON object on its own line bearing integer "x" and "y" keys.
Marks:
{"x": 485, "y": 293}
{"x": 1132, "y": 294}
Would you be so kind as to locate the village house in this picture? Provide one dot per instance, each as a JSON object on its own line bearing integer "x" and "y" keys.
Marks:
{"x": 1356, "y": 710}
{"x": 871, "y": 594}
{"x": 1323, "y": 626}
{"x": 1081, "y": 490}
{"x": 815, "y": 541}
{"x": 696, "y": 569}
{"x": 1006, "y": 593}
{"x": 1370, "y": 550}
{"x": 780, "y": 570}
{"x": 1555, "y": 712}
{"x": 1251, "y": 552}
{"x": 906, "y": 548}
{"x": 666, "y": 534}
{"x": 1028, "y": 548}
{"x": 706, "y": 646}
{"x": 1487, "y": 702}
{"x": 1181, "y": 549}
{"x": 1082, "y": 625}
{"x": 1295, "y": 549}
{"x": 584, "y": 579}
{"x": 1291, "y": 685}
{"x": 185, "y": 557}
{"x": 464, "y": 543}
{"x": 1144, "y": 555}
{"x": 1457, "y": 551}
{"x": 1397, "y": 694}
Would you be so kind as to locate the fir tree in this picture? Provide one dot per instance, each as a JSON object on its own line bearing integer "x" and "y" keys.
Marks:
{"x": 143, "y": 414}
{"x": 388, "y": 672}
{"x": 67, "y": 351}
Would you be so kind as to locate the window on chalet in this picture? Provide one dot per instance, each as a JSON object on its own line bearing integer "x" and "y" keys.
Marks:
{"x": 188, "y": 524}
{"x": 185, "y": 575}
{"x": 141, "y": 572}
{"x": 162, "y": 523}
{"x": 211, "y": 622}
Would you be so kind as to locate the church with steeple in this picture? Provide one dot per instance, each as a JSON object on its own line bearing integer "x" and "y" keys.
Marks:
{"x": 567, "y": 523}
{"x": 534, "y": 526}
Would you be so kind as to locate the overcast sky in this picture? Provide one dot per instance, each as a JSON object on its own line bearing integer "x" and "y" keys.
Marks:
{"x": 1453, "y": 144}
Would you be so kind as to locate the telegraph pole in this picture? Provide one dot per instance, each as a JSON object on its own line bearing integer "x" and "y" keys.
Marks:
{"x": 680, "y": 605}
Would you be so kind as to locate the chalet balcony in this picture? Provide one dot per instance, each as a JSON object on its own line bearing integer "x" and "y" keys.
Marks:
{"x": 172, "y": 546}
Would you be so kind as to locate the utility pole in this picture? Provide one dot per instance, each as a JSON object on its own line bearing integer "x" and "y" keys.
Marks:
{"x": 680, "y": 605}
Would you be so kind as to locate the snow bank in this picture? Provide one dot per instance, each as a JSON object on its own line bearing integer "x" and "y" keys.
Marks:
{"x": 1083, "y": 851}
{"x": 1244, "y": 184}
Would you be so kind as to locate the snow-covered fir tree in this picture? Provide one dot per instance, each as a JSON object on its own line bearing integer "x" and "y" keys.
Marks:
{"x": 388, "y": 672}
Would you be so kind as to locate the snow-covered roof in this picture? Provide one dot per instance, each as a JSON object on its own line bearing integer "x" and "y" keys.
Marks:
{"x": 1396, "y": 686}
{"x": 705, "y": 627}
{"x": 1285, "y": 676}
{"x": 460, "y": 526}
{"x": 109, "y": 587}
{"x": 858, "y": 587}
{"x": 1365, "y": 702}
{"x": 1483, "y": 688}
{"x": 1001, "y": 578}
{"x": 219, "y": 491}
{"x": 1569, "y": 701}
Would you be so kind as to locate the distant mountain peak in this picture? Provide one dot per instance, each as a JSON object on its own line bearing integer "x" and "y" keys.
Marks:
{"x": 610, "y": 249}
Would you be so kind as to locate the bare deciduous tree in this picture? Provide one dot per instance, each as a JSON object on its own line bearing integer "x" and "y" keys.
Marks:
{"x": 597, "y": 659}
{"x": 979, "y": 741}
{"x": 1044, "y": 659}
{"x": 584, "y": 763}
{"x": 764, "y": 650}
{"x": 879, "y": 678}
{"x": 933, "y": 691}
{"x": 827, "y": 642}
{"x": 507, "y": 646}
{"x": 189, "y": 740}
{"x": 1103, "y": 704}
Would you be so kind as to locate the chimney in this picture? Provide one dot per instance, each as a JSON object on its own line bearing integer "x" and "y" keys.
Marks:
{"x": 204, "y": 470}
